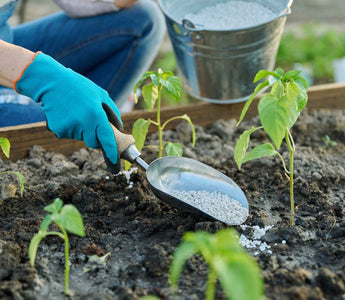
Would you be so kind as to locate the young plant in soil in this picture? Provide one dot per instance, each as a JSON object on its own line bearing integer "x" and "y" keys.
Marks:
{"x": 67, "y": 218}
{"x": 152, "y": 92}
{"x": 278, "y": 112}
{"x": 5, "y": 146}
{"x": 238, "y": 273}
{"x": 329, "y": 143}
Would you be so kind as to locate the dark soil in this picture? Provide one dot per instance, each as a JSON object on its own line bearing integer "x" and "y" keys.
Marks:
{"x": 142, "y": 232}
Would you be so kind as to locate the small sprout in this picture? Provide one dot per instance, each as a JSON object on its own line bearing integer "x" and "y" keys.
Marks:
{"x": 238, "y": 273}
{"x": 152, "y": 92}
{"x": 329, "y": 143}
{"x": 67, "y": 218}
{"x": 95, "y": 262}
{"x": 278, "y": 112}
{"x": 5, "y": 147}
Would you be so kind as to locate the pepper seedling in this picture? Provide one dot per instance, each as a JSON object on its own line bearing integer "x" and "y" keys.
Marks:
{"x": 152, "y": 93}
{"x": 329, "y": 143}
{"x": 5, "y": 146}
{"x": 278, "y": 112}
{"x": 67, "y": 218}
{"x": 238, "y": 273}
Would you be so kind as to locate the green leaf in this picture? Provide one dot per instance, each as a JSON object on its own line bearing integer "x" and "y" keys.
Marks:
{"x": 188, "y": 119}
{"x": 290, "y": 74}
{"x": 34, "y": 243}
{"x": 297, "y": 95}
{"x": 173, "y": 149}
{"x": 155, "y": 79}
{"x": 279, "y": 71}
{"x": 266, "y": 149}
{"x": 45, "y": 223}
{"x": 226, "y": 241}
{"x": 150, "y": 95}
{"x": 127, "y": 165}
{"x": 258, "y": 88}
{"x": 139, "y": 132}
{"x": 173, "y": 86}
{"x": 141, "y": 80}
{"x": 292, "y": 110}
{"x": 301, "y": 82}
{"x": 203, "y": 242}
{"x": 5, "y": 146}
{"x": 167, "y": 74}
{"x": 239, "y": 277}
{"x": 276, "y": 117}
{"x": 278, "y": 89}
{"x": 264, "y": 73}
{"x": 242, "y": 146}
{"x": 70, "y": 218}
{"x": 183, "y": 252}
{"x": 21, "y": 179}
{"x": 302, "y": 98}
{"x": 55, "y": 206}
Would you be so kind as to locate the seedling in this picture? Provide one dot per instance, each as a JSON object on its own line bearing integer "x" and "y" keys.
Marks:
{"x": 5, "y": 146}
{"x": 67, "y": 218}
{"x": 160, "y": 81}
{"x": 329, "y": 143}
{"x": 95, "y": 262}
{"x": 238, "y": 273}
{"x": 278, "y": 112}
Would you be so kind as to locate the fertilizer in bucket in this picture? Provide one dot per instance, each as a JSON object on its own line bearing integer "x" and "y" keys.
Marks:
{"x": 231, "y": 15}
{"x": 220, "y": 45}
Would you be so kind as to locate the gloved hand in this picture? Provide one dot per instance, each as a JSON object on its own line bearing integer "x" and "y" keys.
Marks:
{"x": 75, "y": 107}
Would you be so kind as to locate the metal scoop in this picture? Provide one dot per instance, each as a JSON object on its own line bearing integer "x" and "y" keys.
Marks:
{"x": 169, "y": 174}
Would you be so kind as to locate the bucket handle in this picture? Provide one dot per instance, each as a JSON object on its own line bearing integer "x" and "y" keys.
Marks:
{"x": 190, "y": 26}
{"x": 287, "y": 10}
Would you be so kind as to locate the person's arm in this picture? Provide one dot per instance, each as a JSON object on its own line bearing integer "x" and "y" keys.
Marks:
{"x": 74, "y": 106}
{"x": 13, "y": 60}
{"x": 87, "y": 8}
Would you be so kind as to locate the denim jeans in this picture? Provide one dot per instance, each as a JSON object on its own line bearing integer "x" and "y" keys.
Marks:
{"x": 113, "y": 50}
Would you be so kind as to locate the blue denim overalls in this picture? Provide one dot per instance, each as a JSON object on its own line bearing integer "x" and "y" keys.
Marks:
{"x": 6, "y": 11}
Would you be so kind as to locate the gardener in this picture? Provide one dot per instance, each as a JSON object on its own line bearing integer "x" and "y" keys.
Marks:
{"x": 112, "y": 48}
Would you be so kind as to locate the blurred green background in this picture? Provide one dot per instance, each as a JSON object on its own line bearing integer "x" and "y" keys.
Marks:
{"x": 314, "y": 37}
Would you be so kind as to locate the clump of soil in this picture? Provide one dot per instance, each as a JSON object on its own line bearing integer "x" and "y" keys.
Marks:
{"x": 141, "y": 232}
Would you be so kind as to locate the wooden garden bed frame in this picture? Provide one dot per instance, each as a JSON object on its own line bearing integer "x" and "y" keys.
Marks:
{"x": 23, "y": 137}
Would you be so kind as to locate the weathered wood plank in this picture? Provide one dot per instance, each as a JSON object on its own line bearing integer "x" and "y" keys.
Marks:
{"x": 22, "y": 137}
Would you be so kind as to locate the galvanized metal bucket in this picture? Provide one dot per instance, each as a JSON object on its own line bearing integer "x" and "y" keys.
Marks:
{"x": 219, "y": 65}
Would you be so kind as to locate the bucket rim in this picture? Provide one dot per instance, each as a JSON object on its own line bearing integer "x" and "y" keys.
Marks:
{"x": 284, "y": 13}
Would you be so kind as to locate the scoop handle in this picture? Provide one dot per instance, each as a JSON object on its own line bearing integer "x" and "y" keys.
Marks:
{"x": 123, "y": 140}
{"x": 125, "y": 145}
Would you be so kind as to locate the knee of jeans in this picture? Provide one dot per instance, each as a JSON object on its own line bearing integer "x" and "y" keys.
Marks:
{"x": 153, "y": 19}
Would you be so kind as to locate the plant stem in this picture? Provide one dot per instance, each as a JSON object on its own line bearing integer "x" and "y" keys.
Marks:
{"x": 66, "y": 258}
{"x": 211, "y": 284}
{"x": 160, "y": 134}
{"x": 291, "y": 146}
{"x": 171, "y": 119}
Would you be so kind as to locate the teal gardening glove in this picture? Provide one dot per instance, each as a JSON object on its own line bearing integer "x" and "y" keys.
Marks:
{"x": 75, "y": 107}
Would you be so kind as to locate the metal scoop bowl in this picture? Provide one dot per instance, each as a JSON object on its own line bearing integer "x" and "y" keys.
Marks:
{"x": 169, "y": 174}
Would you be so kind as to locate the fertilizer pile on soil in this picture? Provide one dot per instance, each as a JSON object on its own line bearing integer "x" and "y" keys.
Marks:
{"x": 231, "y": 15}
{"x": 217, "y": 205}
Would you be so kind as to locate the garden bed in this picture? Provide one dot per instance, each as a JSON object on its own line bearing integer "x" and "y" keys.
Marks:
{"x": 301, "y": 262}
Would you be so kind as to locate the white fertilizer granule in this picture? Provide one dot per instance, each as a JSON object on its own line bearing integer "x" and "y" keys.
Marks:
{"x": 255, "y": 242}
{"x": 231, "y": 15}
{"x": 215, "y": 204}
{"x": 128, "y": 176}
